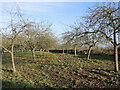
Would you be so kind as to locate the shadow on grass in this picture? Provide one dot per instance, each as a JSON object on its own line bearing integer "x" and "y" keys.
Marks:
{"x": 94, "y": 56}
{"x": 99, "y": 56}
{"x": 7, "y": 70}
{"x": 9, "y": 84}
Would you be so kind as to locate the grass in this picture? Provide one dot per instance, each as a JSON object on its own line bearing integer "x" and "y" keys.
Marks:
{"x": 57, "y": 70}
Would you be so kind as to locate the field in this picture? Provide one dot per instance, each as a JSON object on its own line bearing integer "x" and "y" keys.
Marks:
{"x": 57, "y": 70}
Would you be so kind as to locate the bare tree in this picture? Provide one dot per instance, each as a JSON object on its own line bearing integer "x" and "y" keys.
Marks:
{"x": 91, "y": 40}
{"x": 31, "y": 35}
{"x": 46, "y": 41}
{"x": 38, "y": 36}
{"x": 105, "y": 20}
{"x": 15, "y": 27}
{"x": 72, "y": 36}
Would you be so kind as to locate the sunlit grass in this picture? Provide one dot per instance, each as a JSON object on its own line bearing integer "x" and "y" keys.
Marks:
{"x": 57, "y": 70}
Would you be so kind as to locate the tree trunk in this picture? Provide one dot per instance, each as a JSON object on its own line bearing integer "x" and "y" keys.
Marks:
{"x": 12, "y": 56}
{"x": 40, "y": 51}
{"x": 89, "y": 52}
{"x": 33, "y": 54}
{"x": 63, "y": 51}
{"x": 116, "y": 58}
{"x": 43, "y": 52}
{"x": 75, "y": 50}
{"x": 115, "y": 53}
{"x": 48, "y": 50}
{"x": 67, "y": 50}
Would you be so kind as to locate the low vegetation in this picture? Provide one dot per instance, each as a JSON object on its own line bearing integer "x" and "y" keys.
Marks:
{"x": 85, "y": 55}
{"x": 57, "y": 70}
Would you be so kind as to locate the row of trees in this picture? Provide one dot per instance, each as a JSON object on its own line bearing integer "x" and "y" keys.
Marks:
{"x": 22, "y": 34}
{"x": 100, "y": 26}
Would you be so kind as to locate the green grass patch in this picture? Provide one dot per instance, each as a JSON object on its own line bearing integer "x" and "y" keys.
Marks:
{"x": 57, "y": 70}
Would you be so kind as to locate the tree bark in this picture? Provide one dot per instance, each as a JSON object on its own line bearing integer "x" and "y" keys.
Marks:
{"x": 89, "y": 52}
{"x": 63, "y": 51}
{"x": 33, "y": 54}
{"x": 116, "y": 58}
{"x": 40, "y": 51}
{"x": 43, "y": 52}
{"x": 115, "y": 52}
{"x": 67, "y": 50}
{"x": 48, "y": 50}
{"x": 75, "y": 50}
{"x": 12, "y": 56}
